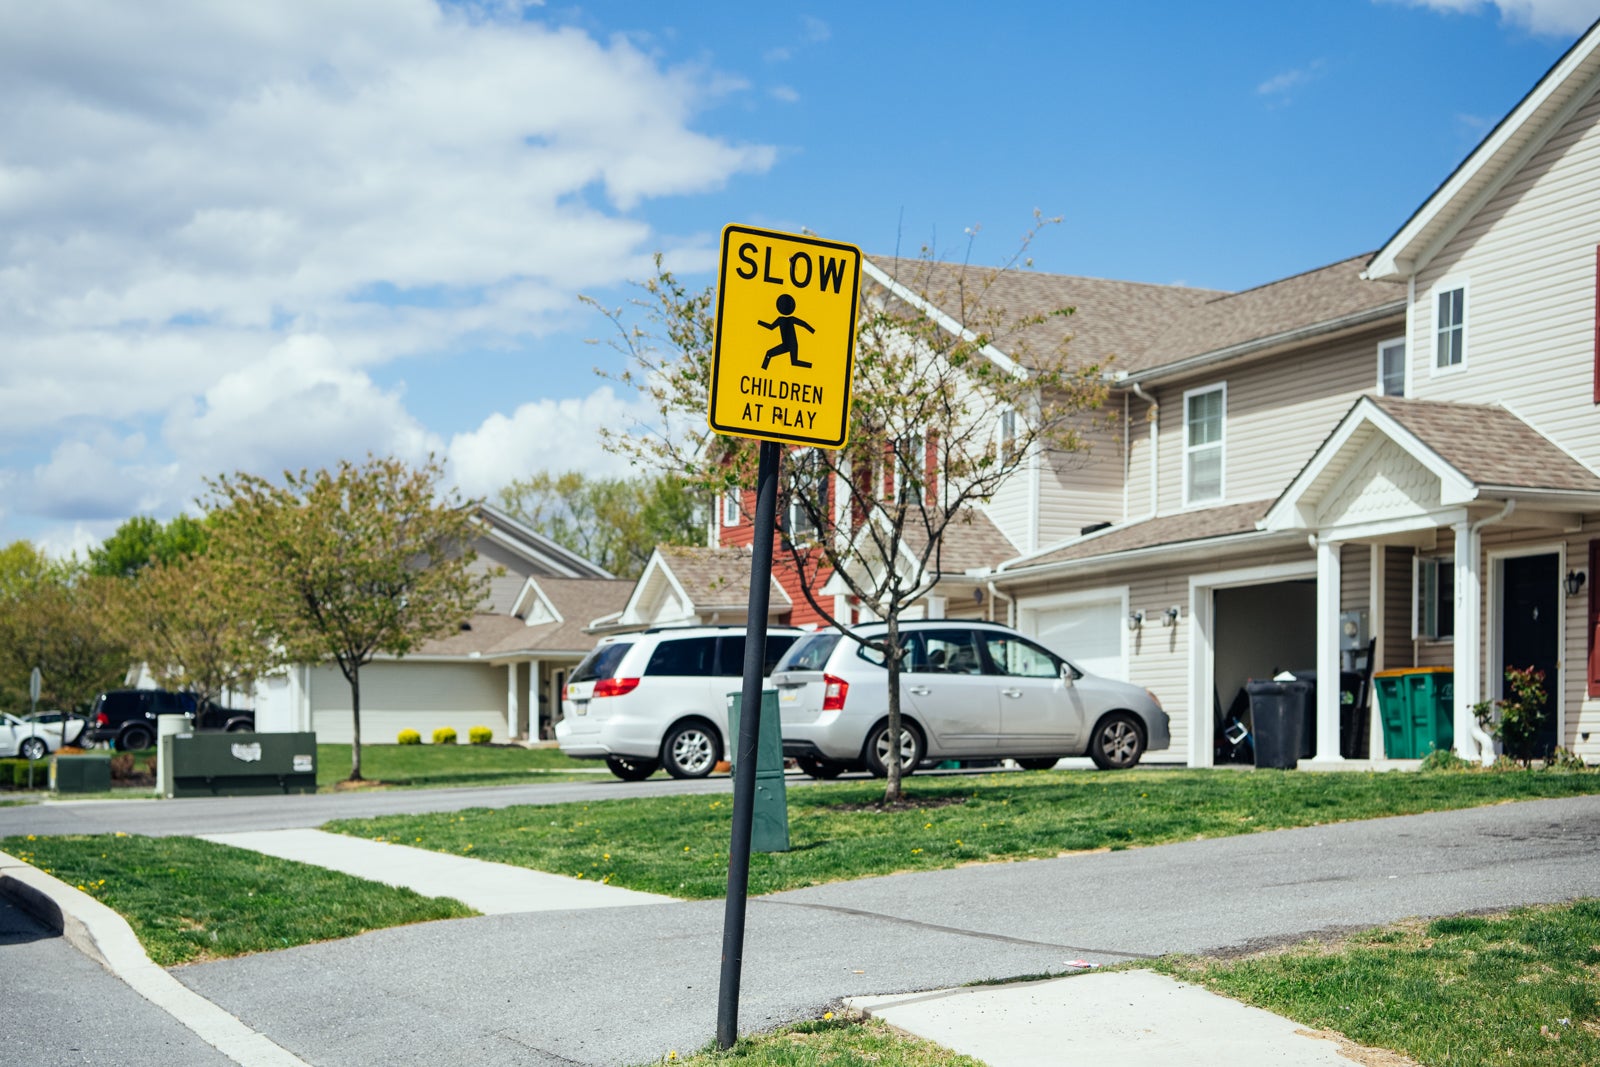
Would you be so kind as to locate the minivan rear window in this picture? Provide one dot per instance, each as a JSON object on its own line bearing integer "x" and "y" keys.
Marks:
{"x": 601, "y": 663}
{"x": 811, "y": 652}
{"x": 686, "y": 657}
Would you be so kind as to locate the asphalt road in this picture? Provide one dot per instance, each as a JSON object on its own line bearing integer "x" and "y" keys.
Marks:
{"x": 626, "y": 985}
{"x": 60, "y": 1008}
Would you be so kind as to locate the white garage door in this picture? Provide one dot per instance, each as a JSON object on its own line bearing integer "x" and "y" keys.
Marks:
{"x": 1089, "y": 634}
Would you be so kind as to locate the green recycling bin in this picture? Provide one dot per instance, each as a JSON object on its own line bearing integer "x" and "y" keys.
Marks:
{"x": 1417, "y": 706}
{"x": 769, "y": 828}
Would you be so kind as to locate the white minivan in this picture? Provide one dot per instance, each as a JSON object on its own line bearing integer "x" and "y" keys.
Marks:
{"x": 659, "y": 699}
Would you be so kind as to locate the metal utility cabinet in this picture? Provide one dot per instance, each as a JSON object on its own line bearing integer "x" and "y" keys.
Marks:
{"x": 237, "y": 764}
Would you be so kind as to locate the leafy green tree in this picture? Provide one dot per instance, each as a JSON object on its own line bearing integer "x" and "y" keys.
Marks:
{"x": 22, "y": 568}
{"x": 188, "y": 623}
{"x": 347, "y": 564}
{"x": 142, "y": 540}
{"x": 61, "y": 624}
{"x": 938, "y": 425}
{"x": 614, "y": 522}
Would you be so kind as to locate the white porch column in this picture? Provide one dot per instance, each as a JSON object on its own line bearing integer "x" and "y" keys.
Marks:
{"x": 511, "y": 699}
{"x": 535, "y": 723}
{"x": 1327, "y": 747}
{"x": 1468, "y": 625}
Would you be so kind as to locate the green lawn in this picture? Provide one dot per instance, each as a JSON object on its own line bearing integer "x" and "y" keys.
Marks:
{"x": 679, "y": 845}
{"x": 190, "y": 900}
{"x": 830, "y": 1042}
{"x": 436, "y": 766}
{"x": 1520, "y": 988}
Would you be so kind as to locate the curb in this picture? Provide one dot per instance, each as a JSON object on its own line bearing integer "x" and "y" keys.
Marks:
{"x": 105, "y": 937}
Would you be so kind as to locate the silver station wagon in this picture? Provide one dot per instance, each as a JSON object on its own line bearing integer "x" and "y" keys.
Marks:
{"x": 968, "y": 690}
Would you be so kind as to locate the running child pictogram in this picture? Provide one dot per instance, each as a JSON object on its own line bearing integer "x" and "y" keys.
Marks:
{"x": 789, "y": 341}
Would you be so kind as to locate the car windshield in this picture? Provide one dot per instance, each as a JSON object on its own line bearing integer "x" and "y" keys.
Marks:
{"x": 810, "y": 653}
{"x": 601, "y": 663}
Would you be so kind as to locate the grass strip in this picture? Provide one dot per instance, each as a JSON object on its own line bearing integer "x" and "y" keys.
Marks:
{"x": 190, "y": 900}
{"x": 441, "y": 766}
{"x": 679, "y": 845}
{"x": 829, "y": 1042}
{"x": 1521, "y": 987}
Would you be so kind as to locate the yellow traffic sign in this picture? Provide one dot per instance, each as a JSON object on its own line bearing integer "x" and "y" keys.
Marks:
{"x": 785, "y": 337}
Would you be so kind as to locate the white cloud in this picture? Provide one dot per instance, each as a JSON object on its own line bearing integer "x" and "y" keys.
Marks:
{"x": 554, "y": 435}
{"x": 1282, "y": 86}
{"x": 216, "y": 218}
{"x": 1551, "y": 18}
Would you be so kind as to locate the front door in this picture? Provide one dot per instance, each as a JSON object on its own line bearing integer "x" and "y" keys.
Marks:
{"x": 1530, "y": 631}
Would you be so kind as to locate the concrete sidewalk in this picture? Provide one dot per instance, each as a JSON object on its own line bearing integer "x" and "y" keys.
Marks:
{"x": 1129, "y": 1018}
{"x": 492, "y": 888}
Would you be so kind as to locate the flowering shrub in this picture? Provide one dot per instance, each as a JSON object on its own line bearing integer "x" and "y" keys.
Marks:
{"x": 479, "y": 735}
{"x": 1521, "y": 714}
{"x": 444, "y": 735}
{"x": 408, "y": 737}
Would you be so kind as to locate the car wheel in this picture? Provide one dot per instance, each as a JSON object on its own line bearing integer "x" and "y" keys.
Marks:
{"x": 819, "y": 768}
{"x": 631, "y": 768}
{"x": 876, "y": 754}
{"x": 134, "y": 738}
{"x": 691, "y": 750}
{"x": 1118, "y": 742}
{"x": 32, "y": 748}
{"x": 1043, "y": 763}
{"x": 239, "y": 726}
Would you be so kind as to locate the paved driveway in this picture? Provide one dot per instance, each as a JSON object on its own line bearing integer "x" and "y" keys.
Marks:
{"x": 624, "y": 986}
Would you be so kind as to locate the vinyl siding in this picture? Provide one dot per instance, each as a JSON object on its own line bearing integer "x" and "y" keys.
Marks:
{"x": 419, "y": 695}
{"x": 1529, "y": 258}
{"x": 1279, "y": 411}
{"x": 1011, "y": 508}
{"x": 1139, "y": 423}
{"x": 1398, "y": 650}
{"x": 508, "y": 573}
{"x": 1080, "y": 488}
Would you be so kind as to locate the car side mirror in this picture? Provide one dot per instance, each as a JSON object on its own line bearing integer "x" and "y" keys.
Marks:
{"x": 1068, "y": 675}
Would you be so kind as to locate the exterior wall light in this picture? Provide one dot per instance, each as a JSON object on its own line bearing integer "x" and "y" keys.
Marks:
{"x": 1135, "y": 620}
{"x": 1171, "y": 615}
{"x": 1574, "y": 582}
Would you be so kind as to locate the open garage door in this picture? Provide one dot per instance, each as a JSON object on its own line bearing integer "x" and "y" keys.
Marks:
{"x": 1089, "y": 633}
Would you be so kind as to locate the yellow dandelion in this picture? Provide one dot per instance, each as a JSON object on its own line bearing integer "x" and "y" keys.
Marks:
{"x": 827, "y": 1015}
{"x": 580, "y": 874}
{"x": 915, "y": 851}
{"x": 958, "y": 841}
{"x": 605, "y": 855}
{"x": 686, "y": 848}
{"x": 927, "y": 826}
{"x": 32, "y": 838}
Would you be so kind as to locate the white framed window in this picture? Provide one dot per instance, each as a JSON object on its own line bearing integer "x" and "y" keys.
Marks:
{"x": 910, "y": 468}
{"x": 1006, "y": 434}
{"x": 1204, "y": 431}
{"x": 1449, "y": 324}
{"x": 730, "y": 507}
{"x": 1392, "y": 367}
{"x": 808, "y": 480}
{"x": 1433, "y": 608}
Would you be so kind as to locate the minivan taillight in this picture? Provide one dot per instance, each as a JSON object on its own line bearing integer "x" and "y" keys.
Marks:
{"x": 102, "y": 719}
{"x": 614, "y": 687}
{"x": 834, "y": 690}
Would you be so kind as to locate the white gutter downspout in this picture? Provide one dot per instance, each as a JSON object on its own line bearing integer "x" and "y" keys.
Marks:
{"x": 1011, "y": 604}
{"x": 1155, "y": 440}
{"x": 1468, "y": 650}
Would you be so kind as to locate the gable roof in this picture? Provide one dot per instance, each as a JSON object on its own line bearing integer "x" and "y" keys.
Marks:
{"x": 1163, "y": 531}
{"x": 1476, "y": 451}
{"x": 971, "y": 542}
{"x": 490, "y": 635}
{"x": 1564, "y": 88}
{"x": 1306, "y": 305}
{"x": 533, "y": 546}
{"x": 1111, "y": 319}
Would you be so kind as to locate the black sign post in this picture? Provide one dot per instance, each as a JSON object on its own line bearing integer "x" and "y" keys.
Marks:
{"x": 744, "y": 774}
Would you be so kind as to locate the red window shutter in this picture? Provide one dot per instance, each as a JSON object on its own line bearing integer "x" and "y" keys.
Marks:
{"x": 1594, "y": 618}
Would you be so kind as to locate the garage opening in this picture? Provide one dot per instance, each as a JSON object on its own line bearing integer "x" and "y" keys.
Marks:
{"x": 1257, "y": 631}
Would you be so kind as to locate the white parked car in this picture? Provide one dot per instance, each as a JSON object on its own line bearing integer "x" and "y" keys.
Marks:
{"x": 659, "y": 699}
{"x": 968, "y": 690}
{"x": 33, "y": 740}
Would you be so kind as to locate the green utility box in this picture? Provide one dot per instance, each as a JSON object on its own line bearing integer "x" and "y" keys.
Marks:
{"x": 237, "y": 764}
{"x": 80, "y": 774}
{"x": 1417, "y": 708}
{"x": 769, "y": 831}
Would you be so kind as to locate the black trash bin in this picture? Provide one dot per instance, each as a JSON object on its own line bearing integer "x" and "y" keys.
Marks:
{"x": 1281, "y": 721}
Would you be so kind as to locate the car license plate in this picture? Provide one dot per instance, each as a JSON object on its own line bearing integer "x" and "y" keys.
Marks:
{"x": 580, "y": 707}
{"x": 789, "y": 696}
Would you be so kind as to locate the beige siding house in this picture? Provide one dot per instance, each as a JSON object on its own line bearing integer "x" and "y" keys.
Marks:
{"x": 504, "y": 669}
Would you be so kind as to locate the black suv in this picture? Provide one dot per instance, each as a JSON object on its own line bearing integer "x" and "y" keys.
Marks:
{"x": 127, "y": 717}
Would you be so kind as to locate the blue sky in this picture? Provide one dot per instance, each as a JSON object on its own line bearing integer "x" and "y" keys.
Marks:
{"x": 266, "y": 236}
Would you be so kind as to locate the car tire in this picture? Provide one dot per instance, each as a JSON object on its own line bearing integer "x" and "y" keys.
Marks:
{"x": 33, "y": 748}
{"x": 239, "y": 726}
{"x": 876, "y": 751}
{"x": 1117, "y": 742}
{"x": 134, "y": 738}
{"x": 691, "y": 749}
{"x": 821, "y": 769}
{"x": 1028, "y": 763}
{"x": 632, "y": 768}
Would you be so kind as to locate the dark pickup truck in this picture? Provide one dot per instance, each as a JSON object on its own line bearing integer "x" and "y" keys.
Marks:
{"x": 127, "y": 717}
